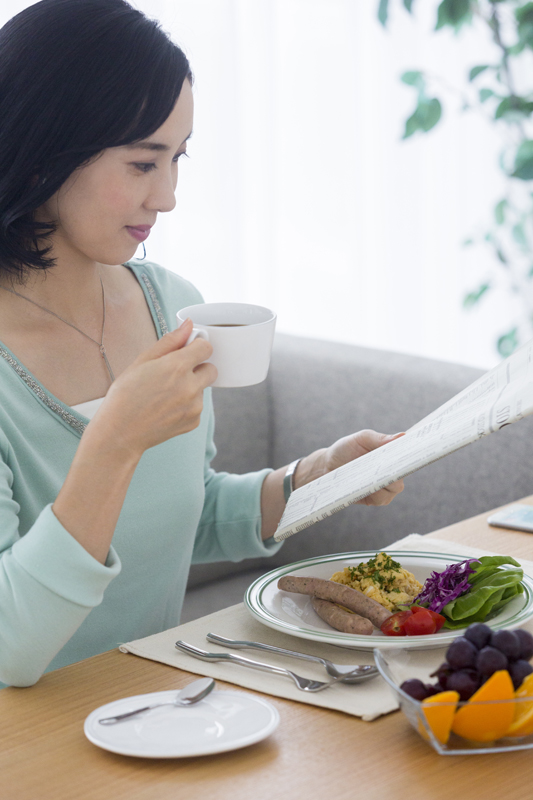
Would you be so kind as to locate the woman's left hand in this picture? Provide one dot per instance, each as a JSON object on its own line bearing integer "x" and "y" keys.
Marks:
{"x": 320, "y": 463}
{"x": 341, "y": 452}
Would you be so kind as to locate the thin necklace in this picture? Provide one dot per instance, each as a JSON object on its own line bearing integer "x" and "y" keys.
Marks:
{"x": 100, "y": 343}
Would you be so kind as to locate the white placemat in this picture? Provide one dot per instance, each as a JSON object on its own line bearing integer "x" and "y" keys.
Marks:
{"x": 368, "y": 700}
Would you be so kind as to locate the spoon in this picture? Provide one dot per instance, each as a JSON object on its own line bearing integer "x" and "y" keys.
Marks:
{"x": 348, "y": 674}
{"x": 192, "y": 694}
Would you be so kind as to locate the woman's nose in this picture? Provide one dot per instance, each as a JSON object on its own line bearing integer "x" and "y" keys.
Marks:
{"x": 163, "y": 197}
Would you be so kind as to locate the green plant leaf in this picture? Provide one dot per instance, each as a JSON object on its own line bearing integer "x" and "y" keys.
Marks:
{"x": 501, "y": 256}
{"x": 501, "y": 161}
{"x": 508, "y": 343}
{"x": 383, "y": 12}
{"x": 514, "y": 50}
{"x": 499, "y": 211}
{"x": 454, "y": 13}
{"x": 523, "y": 165}
{"x": 426, "y": 115}
{"x": 524, "y": 18}
{"x": 475, "y": 71}
{"x": 524, "y": 13}
{"x": 472, "y": 298}
{"x": 519, "y": 235}
{"x": 514, "y": 106}
{"x": 484, "y": 94}
{"x": 411, "y": 126}
{"x": 414, "y": 78}
{"x": 408, "y": 5}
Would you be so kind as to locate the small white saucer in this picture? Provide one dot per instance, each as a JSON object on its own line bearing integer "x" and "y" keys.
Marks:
{"x": 224, "y": 720}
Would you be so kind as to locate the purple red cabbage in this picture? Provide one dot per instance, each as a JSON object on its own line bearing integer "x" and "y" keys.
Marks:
{"x": 443, "y": 587}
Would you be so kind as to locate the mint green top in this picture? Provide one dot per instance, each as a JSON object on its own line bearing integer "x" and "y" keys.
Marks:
{"x": 57, "y": 603}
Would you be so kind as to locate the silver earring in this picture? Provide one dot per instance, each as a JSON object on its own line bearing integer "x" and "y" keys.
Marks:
{"x": 144, "y": 252}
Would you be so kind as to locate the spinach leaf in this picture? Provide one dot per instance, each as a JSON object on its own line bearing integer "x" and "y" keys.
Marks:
{"x": 492, "y": 586}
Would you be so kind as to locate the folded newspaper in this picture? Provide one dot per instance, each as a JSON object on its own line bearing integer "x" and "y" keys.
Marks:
{"x": 501, "y": 396}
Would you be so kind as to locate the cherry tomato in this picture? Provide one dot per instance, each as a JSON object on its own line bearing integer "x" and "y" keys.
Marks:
{"x": 439, "y": 619}
{"x": 420, "y": 623}
{"x": 394, "y": 625}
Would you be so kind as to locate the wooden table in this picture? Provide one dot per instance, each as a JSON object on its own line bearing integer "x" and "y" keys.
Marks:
{"x": 314, "y": 753}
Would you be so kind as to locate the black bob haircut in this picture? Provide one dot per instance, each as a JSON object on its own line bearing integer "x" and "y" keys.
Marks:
{"x": 76, "y": 77}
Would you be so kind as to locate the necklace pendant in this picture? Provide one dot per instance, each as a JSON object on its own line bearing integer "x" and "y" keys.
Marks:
{"x": 108, "y": 365}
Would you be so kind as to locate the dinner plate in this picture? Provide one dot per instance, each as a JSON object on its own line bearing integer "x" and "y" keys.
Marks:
{"x": 224, "y": 720}
{"x": 294, "y": 614}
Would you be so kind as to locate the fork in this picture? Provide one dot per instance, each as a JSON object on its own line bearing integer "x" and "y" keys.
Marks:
{"x": 348, "y": 674}
{"x": 305, "y": 684}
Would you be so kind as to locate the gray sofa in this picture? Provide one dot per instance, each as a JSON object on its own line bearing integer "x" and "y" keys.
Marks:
{"x": 318, "y": 391}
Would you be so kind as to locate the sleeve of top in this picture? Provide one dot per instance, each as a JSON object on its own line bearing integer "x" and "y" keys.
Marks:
{"x": 230, "y": 525}
{"x": 48, "y": 585}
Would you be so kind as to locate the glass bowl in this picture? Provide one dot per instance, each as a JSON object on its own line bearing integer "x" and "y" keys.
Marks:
{"x": 396, "y": 666}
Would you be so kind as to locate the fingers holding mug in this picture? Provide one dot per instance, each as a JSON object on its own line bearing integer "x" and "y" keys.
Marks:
{"x": 197, "y": 333}
{"x": 207, "y": 374}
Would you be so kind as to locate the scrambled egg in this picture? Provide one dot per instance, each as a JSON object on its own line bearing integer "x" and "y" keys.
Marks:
{"x": 382, "y": 579}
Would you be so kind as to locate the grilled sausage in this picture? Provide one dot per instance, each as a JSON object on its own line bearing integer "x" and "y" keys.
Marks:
{"x": 336, "y": 593}
{"x": 340, "y": 619}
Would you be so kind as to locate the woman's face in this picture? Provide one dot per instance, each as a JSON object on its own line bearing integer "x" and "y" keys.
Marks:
{"x": 104, "y": 209}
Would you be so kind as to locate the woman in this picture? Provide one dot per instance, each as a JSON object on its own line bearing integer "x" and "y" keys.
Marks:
{"x": 106, "y": 423}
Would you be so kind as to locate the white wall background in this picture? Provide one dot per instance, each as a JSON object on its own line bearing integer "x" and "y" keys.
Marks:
{"x": 300, "y": 194}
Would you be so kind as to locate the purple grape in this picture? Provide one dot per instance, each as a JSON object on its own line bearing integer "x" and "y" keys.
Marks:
{"x": 461, "y": 654}
{"x": 414, "y": 688}
{"x": 479, "y": 634}
{"x": 490, "y": 660}
{"x": 519, "y": 670}
{"x": 507, "y": 642}
{"x": 464, "y": 681}
{"x": 442, "y": 674}
{"x": 526, "y": 643}
{"x": 430, "y": 689}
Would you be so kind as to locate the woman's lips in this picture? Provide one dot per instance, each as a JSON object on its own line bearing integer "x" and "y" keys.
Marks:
{"x": 139, "y": 232}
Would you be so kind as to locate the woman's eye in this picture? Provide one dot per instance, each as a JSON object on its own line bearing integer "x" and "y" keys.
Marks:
{"x": 145, "y": 167}
{"x": 148, "y": 166}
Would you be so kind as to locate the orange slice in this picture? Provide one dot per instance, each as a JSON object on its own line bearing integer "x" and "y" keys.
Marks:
{"x": 523, "y": 719}
{"x": 440, "y": 717}
{"x": 526, "y": 687}
{"x": 482, "y": 721}
{"x": 523, "y": 724}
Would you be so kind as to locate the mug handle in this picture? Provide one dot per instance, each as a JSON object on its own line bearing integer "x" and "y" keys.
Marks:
{"x": 197, "y": 333}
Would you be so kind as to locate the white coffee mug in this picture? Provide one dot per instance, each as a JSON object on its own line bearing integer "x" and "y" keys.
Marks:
{"x": 241, "y": 336}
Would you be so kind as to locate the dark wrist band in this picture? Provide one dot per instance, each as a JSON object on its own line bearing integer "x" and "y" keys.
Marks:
{"x": 288, "y": 485}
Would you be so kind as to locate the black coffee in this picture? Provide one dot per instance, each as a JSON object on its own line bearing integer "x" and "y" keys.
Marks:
{"x": 228, "y": 324}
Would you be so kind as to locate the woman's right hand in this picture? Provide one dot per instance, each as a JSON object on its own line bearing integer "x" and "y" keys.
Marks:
{"x": 160, "y": 395}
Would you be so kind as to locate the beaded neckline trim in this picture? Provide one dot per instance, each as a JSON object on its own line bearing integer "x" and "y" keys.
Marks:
{"x": 157, "y": 308}
{"x": 37, "y": 389}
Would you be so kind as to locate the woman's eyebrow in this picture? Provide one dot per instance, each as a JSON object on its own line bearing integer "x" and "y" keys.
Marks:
{"x": 148, "y": 146}
{"x": 156, "y": 146}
